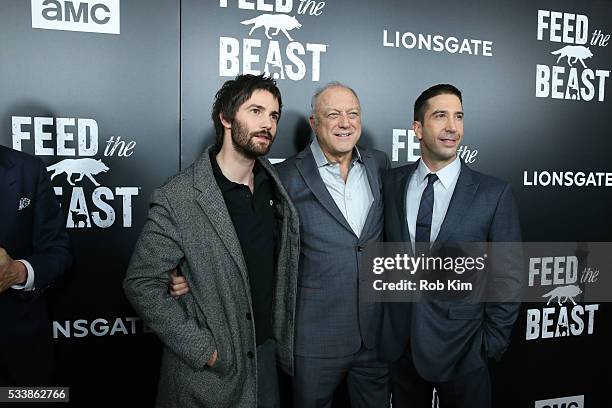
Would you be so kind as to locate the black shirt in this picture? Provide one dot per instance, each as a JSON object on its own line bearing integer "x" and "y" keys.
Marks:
{"x": 253, "y": 219}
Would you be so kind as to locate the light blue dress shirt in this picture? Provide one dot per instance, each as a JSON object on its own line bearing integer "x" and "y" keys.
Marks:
{"x": 353, "y": 198}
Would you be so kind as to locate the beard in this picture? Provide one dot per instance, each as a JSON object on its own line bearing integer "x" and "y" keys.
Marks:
{"x": 244, "y": 141}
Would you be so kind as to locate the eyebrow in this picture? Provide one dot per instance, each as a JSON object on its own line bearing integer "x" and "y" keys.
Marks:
{"x": 444, "y": 111}
{"x": 329, "y": 110}
{"x": 254, "y": 105}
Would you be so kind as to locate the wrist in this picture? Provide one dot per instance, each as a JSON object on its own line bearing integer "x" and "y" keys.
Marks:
{"x": 19, "y": 270}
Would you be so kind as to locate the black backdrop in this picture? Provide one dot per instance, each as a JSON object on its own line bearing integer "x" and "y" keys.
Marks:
{"x": 152, "y": 84}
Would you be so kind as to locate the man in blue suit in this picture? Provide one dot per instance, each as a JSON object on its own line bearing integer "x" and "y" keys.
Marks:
{"x": 34, "y": 252}
{"x": 440, "y": 200}
{"x": 336, "y": 188}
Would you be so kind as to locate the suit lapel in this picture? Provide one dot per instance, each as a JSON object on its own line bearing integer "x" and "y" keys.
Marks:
{"x": 463, "y": 196}
{"x": 400, "y": 204}
{"x": 211, "y": 201}
{"x": 9, "y": 204}
{"x": 307, "y": 167}
{"x": 370, "y": 165}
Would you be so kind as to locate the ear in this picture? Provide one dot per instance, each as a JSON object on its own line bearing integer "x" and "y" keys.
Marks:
{"x": 311, "y": 120}
{"x": 226, "y": 124}
{"x": 418, "y": 129}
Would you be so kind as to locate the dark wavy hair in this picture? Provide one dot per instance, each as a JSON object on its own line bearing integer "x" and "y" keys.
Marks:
{"x": 234, "y": 93}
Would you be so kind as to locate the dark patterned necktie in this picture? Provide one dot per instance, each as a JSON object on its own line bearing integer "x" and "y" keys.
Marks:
{"x": 423, "y": 223}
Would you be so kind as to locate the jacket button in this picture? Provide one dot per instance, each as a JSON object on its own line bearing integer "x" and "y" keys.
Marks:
{"x": 250, "y": 354}
{"x": 248, "y": 316}
{"x": 359, "y": 248}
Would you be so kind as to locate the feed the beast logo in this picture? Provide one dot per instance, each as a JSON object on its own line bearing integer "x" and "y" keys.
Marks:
{"x": 91, "y": 16}
{"x": 72, "y": 144}
{"x": 272, "y": 46}
{"x": 558, "y": 280}
{"x": 573, "y": 51}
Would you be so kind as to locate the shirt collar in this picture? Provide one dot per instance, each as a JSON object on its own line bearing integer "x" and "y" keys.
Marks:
{"x": 226, "y": 184}
{"x": 446, "y": 175}
{"x": 320, "y": 158}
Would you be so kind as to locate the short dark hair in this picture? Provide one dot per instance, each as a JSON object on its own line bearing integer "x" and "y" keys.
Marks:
{"x": 420, "y": 105}
{"x": 234, "y": 93}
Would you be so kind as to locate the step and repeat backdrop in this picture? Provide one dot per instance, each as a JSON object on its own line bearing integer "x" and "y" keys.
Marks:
{"x": 115, "y": 96}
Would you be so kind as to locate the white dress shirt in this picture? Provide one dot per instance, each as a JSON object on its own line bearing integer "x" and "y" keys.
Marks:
{"x": 443, "y": 192}
{"x": 29, "y": 283}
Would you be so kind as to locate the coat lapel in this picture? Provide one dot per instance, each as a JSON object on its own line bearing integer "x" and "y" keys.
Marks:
{"x": 307, "y": 167}
{"x": 280, "y": 189}
{"x": 400, "y": 204}
{"x": 211, "y": 201}
{"x": 370, "y": 164}
{"x": 8, "y": 190}
{"x": 464, "y": 193}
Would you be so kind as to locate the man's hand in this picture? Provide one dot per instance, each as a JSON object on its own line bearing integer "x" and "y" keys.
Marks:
{"x": 11, "y": 272}
{"x": 213, "y": 359}
{"x": 178, "y": 286}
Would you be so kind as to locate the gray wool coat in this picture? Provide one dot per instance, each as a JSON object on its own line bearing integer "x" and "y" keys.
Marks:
{"x": 189, "y": 226}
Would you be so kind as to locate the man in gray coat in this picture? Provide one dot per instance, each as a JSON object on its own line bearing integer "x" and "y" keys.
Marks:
{"x": 227, "y": 224}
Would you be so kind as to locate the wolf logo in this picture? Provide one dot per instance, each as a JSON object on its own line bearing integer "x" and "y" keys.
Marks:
{"x": 85, "y": 167}
{"x": 567, "y": 292}
{"x": 575, "y": 52}
{"x": 281, "y": 22}
{"x": 77, "y": 218}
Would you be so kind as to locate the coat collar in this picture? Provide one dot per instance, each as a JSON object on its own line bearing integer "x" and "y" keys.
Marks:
{"x": 307, "y": 167}
{"x": 462, "y": 197}
{"x": 210, "y": 199}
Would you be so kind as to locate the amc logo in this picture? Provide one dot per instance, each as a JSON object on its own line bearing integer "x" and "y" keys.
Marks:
{"x": 567, "y": 402}
{"x": 91, "y": 16}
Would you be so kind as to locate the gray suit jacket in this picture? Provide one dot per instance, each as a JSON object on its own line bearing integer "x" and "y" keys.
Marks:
{"x": 189, "y": 226}
{"x": 450, "y": 338}
{"x": 330, "y": 320}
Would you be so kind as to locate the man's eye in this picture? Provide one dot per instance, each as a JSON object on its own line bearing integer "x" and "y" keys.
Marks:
{"x": 274, "y": 118}
{"x": 255, "y": 111}
{"x": 332, "y": 115}
{"x": 353, "y": 115}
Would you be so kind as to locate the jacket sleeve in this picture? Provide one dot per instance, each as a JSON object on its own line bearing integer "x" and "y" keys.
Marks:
{"x": 157, "y": 252}
{"x": 50, "y": 244}
{"x": 504, "y": 286}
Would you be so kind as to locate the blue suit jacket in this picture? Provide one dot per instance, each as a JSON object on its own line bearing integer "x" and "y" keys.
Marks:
{"x": 450, "y": 338}
{"x": 330, "y": 319}
{"x": 37, "y": 234}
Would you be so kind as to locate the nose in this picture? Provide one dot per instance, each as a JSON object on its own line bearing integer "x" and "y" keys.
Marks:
{"x": 343, "y": 120}
{"x": 451, "y": 124}
{"x": 266, "y": 122}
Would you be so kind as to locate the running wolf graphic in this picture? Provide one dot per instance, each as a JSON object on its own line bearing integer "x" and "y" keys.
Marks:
{"x": 85, "y": 167}
{"x": 567, "y": 292}
{"x": 575, "y": 52}
{"x": 281, "y": 22}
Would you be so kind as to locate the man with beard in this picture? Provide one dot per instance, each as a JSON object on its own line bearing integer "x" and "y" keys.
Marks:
{"x": 227, "y": 224}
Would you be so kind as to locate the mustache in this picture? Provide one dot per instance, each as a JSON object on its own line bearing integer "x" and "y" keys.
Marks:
{"x": 263, "y": 133}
